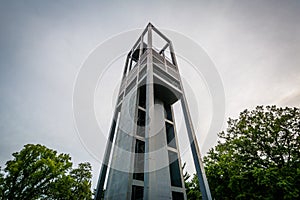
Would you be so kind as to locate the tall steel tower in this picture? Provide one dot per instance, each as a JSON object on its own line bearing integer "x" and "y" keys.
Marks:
{"x": 145, "y": 162}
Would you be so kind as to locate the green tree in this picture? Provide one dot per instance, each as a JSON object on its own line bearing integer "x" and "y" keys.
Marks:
{"x": 258, "y": 157}
{"x": 1, "y": 183}
{"x": 191, "y": 186}
{"x": 37, "y": 172}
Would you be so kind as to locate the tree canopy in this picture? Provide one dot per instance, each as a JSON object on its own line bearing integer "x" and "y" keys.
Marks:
{"x": 192, "y": 187}
{"x": 258, "y": 156}
{"x": 37, "y": 172}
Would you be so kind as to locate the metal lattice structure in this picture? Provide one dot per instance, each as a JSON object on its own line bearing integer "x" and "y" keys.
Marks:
{"x": 145, "y": 162}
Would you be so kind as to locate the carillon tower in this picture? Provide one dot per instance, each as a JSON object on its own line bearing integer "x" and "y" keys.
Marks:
{"x": 142, "y": 152}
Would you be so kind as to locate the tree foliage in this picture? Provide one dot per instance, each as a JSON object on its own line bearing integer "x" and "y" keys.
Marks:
{"x": 192, "y": 188}
{"x": 37, "y": 172}
{"x": 258, "y": 157}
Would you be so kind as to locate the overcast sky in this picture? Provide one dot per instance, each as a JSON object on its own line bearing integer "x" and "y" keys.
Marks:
{"x": 255, "y": 46}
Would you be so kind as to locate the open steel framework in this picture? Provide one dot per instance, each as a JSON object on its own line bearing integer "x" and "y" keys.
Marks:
{"x": 145, "y": 162}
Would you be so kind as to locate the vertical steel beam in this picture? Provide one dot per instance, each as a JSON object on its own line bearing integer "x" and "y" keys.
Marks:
{"x": 149, "y": 114}
{"x": 173, "y": 55}
{"x": 178, "y": 154}
{"x": 140, "y": 50}
{"x": 126, "y": 66}
{"x": 103, "y": 171}
{"x": 204, "y": 187}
